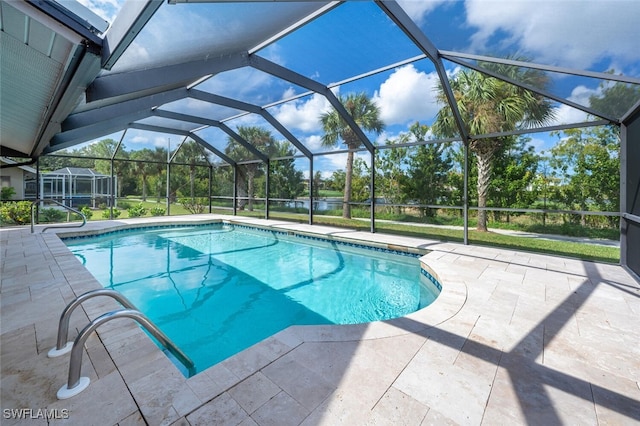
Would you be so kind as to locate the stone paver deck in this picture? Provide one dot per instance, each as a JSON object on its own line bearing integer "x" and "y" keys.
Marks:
{"x": 514, "y": 338}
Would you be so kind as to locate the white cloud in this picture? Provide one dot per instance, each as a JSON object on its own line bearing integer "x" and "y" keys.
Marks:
{"x": 106, "y": 9}
{"x": 335, "y": 161}
{"x": 327, "y": 164}
{"x": 148, "y": 139}
{"x": 289, "y": 92}
{"x": 273, "y": 52}
{"x": 313, "y": 142}
{"x": 581, "y": 94}
{"x": 565, "y": 114}
{"x": 164, "y": 141}
{"x": 407, "y": 95}
{"x": 568, "y": 33}
{"x": 139, "y": 139}
{"x": 538, "y": 144}
{"x": 419, "y": 9}
{"x": 303, "y": 115}
{"x": 385, "y": 136}
{"x": 364, "y": 156}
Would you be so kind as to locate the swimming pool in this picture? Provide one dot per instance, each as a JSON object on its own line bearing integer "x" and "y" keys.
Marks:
{"x": 218, "y": 289}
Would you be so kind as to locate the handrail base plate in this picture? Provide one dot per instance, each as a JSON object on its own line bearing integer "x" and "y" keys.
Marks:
{"x": 65, "y": 393}
{"x": 55, "y": 352}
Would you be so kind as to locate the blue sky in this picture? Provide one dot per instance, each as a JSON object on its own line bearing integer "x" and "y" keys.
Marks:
{"x": 357, "y": 37}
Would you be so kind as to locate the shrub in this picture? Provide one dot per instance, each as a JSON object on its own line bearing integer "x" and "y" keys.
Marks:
{"x": 194, "y": 206}
{"x": 86, "y": 211}
{"x": 137, "y": 210}
{"x": 7, "y": 193}
{"x": 157, "y": 211}
{"x": 51, "y": 215}
{"x": 106, "y": 214}
{"x": 18, "y": 212}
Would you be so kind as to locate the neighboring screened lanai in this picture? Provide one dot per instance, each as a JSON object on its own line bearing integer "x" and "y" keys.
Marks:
{"x": 73, "y": 187}
{"x": 484, "y": 109}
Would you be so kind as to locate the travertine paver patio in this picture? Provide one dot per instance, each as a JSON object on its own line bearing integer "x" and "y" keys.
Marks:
{"x": 515, "y": 338}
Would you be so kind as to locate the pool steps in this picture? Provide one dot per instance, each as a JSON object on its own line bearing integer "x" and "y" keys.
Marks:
{"x": 76, "y": 383}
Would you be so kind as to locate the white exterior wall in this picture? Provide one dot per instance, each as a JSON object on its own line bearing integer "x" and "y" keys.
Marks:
{"x": 14, "y": 177}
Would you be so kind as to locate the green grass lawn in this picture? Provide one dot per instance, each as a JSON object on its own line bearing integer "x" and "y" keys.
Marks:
{"x": 558, "y": 248}
{"x": 330, "y": 193}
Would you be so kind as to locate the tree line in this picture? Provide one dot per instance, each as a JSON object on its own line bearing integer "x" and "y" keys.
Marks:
{"x": 581, "y": 172}
{"x": 143, "y": 172}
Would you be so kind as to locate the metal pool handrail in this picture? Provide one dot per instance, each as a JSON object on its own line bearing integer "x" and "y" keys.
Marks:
{"x": 62, "y": 346}
{"x": 77, "y": 384}
{"x": 40, "y": 200}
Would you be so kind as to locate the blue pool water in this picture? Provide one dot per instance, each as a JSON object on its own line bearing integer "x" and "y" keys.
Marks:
{"x": 218, "y": 289}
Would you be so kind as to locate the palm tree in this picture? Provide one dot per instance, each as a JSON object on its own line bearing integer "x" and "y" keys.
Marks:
{"x": 366, "y": 115}
{"x": 160, "y": 158}
{"x": 143, "y": 168}
{"x": 488, "y": 105}
{"x": 263, "y": 141}
{"x": 194, "y": 155}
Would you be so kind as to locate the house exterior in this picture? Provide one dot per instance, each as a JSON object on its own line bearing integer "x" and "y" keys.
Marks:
{"x": 15, "y": 177}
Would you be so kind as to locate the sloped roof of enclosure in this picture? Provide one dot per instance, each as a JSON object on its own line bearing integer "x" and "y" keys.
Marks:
{"x": 199, "y": 68}
{"x": 75, "y": 171}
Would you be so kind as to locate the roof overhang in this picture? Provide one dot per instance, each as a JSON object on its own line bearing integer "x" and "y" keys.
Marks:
{"x": 50, "y": 55}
